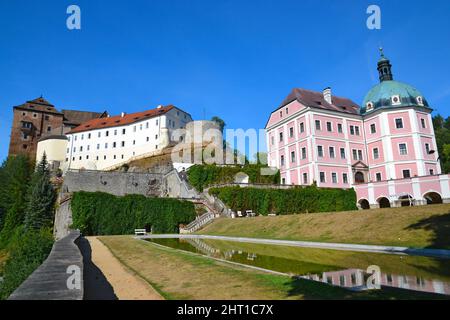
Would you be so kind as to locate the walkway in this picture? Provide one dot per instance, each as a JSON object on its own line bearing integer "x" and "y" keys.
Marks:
{"x": 105, "y": 278}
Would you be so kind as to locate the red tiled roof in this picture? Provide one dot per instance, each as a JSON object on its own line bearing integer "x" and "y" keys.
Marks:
{"x": 101, "y": 123}
{"x": 316, "y": 100}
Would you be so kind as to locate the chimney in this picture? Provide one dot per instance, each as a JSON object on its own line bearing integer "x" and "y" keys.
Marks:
{"x": 160, "y": 106}
{"x": 122, "y": 114}
{"x": 327, "y": 95}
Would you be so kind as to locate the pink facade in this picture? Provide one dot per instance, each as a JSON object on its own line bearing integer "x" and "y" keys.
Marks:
{"x": 383, "y": 154}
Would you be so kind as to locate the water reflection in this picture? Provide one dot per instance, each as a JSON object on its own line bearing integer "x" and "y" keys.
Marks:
{"x": 328, "y": 266}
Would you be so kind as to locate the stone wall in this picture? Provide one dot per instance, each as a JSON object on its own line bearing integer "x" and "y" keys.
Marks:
{"x": 63, "y": 220}
{"x": 116, "y": 183}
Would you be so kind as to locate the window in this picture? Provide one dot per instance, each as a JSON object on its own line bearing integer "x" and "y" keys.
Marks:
{"x": 360, "y": 156}
{"x": 123, "y": 131}
{"x": 74, "y": 149}
{"x": 422, "y": 121}
{"x": 106, "y": 145}
{"x": 89, "y": 136}
{"x": 373, "y": 128}
{"x": 24, "y": 146}
{"x": 99, "y": 134}
{"x": 146, "y": 125}
{"x": 318, "y": 127}
{"x": 88, "y": 147}
{"x": 431, "y": 172}
{"x": 134, "y": 142}
{"x": 322, "y": 177}
{"x": 342, "y": 153}
{"x": 87, "y": 157}
{"x": 406, "y": 173}
{"x": 403, "y": 149}
{"x": 302, "y": 127}
{"x": 329, "y": 127}
{"x": 305, "y": 178}
{"x": 283, "y": 181}
{"x": 292, "y": 156}
{"x": 395, "y": 100}
{"x": 140, "y": 126}
{"x": 157, "y": 122}
{"x": 355, "y": 154}
{"x": 96, "y": 158}
{"x": 107, "y": 133}
{"x": 282, "y": 161}
{"x": 114, "y": 157}
{"x": 104, "y": 157}
{"x": 24, "y": 136}
{"x": 49, "y": 129}
{"x": 82, "y": 137}
{"x": 357, "y": 130}
{"x": 281, "y": 114}
{"x": 334, "y": 177}
{"x": 427, "y": 148}
{"x": 287, "y": 110}
{"x": 320, "y": 151}
{"x": 114, "y": 144}
{"x": 378, "y": 176}
{"x": 331, "y": 150}
{"x": 291, "y": 132}
{"x": 376, "y": 154}
{"x": 304, "y": 153}
{"x": 345, "y": 178}
{"x": 134, "y": 128}
{"x": 281, "y": 136}
{"x": 98, "y": 146}
{"x": 352, "y": 130}
{"x": 115, "y": 132}
{"x": 399, "y": 123}
{"x": 339, "y": 127}
{"x": 123, "y": 143}
{"x": 76, "y": 137}
{"x": 148, "y": 139}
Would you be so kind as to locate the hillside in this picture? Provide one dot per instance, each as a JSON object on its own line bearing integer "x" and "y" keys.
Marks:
{"x": 420, "y": 227}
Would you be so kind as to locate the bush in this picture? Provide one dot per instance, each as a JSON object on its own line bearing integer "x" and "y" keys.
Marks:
{"x": 286, "y": 201}
{"x": 105, "y": 214}
{"x": 27, "y": 251}
{"x": 202, "y": 176}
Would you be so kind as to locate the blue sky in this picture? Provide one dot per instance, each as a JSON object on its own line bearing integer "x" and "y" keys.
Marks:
{"x": 237, "y": 59}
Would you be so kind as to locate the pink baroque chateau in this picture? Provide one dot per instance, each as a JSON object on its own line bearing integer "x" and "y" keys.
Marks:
{"x": 386, "y": 150}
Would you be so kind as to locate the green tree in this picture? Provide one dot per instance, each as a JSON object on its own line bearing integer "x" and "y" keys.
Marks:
{"x": 41, "y": 199}
{"x": 15, "y": 176}
{"x": 442, "y": 134}
{"x": 220, "y": 122}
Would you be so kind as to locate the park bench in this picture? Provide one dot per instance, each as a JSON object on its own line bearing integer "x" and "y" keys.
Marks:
{"x": 140, "y": 232}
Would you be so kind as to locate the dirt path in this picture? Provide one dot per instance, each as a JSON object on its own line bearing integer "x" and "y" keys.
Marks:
{"x": 126, "y": 285}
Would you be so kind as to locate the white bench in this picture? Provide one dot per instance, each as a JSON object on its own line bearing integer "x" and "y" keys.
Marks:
{"x": 140, "y": 232}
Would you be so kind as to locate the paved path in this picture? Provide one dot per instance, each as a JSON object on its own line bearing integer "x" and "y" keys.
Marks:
{"x": 440, "y": 253}
{"x": 121, "y": 283}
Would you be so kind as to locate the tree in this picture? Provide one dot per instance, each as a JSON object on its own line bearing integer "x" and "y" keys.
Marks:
{"x": 15, "y": 176}
{"x": 41, "y": 200}
{"x": 442, "y": 134}
{"x": 261, "y": 158}
{"x": 220, "y": 122}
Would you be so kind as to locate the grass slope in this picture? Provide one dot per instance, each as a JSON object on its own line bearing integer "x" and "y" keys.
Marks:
{"x": 420, "y": 227}
{"x": 180, "y": 275}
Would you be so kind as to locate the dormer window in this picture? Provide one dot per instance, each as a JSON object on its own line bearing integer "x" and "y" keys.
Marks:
{"x": 395, "y": 100}
{"x": 419, "y": 100}
{"x": 369, "y": 106}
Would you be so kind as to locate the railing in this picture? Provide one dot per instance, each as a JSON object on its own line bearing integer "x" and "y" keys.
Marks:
{"x": 199, "y": 222}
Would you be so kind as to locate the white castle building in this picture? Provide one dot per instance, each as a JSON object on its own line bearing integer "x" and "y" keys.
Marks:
{"x": 103, "y": 143}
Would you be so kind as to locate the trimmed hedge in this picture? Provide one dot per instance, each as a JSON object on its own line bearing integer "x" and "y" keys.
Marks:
{"x": 96, "y": 213}
{"x": 202, "y": 176}
{"x": 286, "y": 201}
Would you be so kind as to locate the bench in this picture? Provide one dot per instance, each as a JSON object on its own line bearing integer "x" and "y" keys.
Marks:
{"x": 140, "y": 232}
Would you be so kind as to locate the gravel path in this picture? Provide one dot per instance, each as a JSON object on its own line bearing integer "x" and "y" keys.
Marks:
{"x": 124, "y": 284}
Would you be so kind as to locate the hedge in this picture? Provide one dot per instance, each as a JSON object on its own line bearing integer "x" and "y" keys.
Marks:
{"x": 96, "y": 213}
{"x": 286, "y": 201}
{"x": 202, "y": 176}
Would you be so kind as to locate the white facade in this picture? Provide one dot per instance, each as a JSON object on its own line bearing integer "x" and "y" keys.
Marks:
{"x": 102, "y": 148}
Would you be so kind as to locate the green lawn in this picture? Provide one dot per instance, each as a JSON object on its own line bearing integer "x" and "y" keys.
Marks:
{"x": 419, "y": 227}
{"x": 181, "y": 275}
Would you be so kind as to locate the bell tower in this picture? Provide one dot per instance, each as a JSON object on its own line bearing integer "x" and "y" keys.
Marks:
{"x": 384, "y": 68}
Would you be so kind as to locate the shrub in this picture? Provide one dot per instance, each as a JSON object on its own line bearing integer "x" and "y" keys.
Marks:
{"x": 105, "y": 214}
{"x": 27, "y": 251}
{"x": 286, "y": 201}
{"x": 202, "y": 176}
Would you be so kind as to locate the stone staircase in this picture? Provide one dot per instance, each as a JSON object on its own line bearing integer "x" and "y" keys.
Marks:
{"x": 199, "y": 222}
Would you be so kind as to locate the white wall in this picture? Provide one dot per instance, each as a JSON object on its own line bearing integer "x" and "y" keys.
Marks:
{"x": 94, "y": 149}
